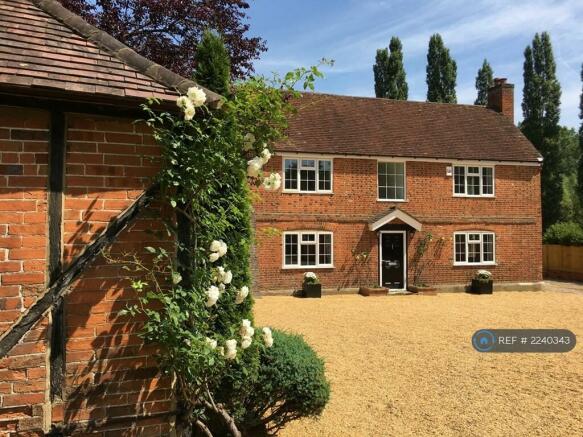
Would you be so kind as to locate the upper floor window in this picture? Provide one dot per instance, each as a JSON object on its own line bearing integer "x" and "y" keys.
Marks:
{"x": 391, "y": 180}
{"x": 307, "y": 175}
{"x": 307, "y": 249}
{"x": 471, "y": 180}
{"x": 474, "y": 248}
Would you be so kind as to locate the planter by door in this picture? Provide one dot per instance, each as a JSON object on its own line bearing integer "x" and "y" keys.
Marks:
{"x": 312, "y": 290}
{"x": 482, "y": 287}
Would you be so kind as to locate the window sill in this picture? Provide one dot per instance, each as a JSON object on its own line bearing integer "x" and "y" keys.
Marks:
{"x": 321, "y": 193}
{"x": 486, "y": 196}
{"x": 393, "y": 200}
{"x": 475, "y": 265}
{"x": 306, "y": 267}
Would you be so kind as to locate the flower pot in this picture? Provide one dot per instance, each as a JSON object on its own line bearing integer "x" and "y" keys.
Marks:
{"x": 312, "y": 290}
{"x": 422, "y": 290}
{"x": 373, "y": 291}
{"x": 482, "y": 287}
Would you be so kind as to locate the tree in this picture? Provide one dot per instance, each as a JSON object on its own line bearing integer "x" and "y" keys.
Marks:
{"x": 484, "y": 80}
{"x": 168, "y": 31}
{"x": 541, "y": 111}
{"x": 380, "y": 69}
{"x": 390, "y": 76}
{"x": 441, "y": 72}
{"x": 213, "y": 66}
{"x": 580, "y": 171}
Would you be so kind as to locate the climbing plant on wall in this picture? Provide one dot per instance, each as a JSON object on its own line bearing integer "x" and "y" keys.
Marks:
{"x": 196, "y": 299}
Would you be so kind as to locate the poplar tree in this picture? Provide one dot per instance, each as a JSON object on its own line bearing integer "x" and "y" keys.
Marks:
{"x": 580, "y": 171}
{"x": 541, "y": 111}
{"x": 441, "y": 72}
{"x": 213, "y": 65}
{"x": 484, "y": 81}
{"x": 389, "y": 72}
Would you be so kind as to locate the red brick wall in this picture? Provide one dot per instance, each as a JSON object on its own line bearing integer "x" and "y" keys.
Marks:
{"x": 111, "y": 376}
{"x": 23, "y": 228}
{"x": 513, "y": 214}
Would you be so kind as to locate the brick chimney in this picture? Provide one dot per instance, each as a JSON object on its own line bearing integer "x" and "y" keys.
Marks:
{"x": 501, "y": 98}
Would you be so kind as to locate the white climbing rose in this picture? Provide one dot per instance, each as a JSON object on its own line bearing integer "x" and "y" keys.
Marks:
{"x": 254, "y": 167}
{"x": 272, "y": 182}
{"x": 211, "y": 343}
{"x": 267, "y": 337}
{"x": 265, "y": 155}
{"x": 182, "y": 102}
{"x": 246, "y": 329}
{"x": 231, "y": 349}
{"x": 221, "y": 288}
{"x": 242, "y": 293}
{"x": 189, "y": 112}
{"x": 227, "y": 277}
{"x": 246, "y": 342}
{"x": 215, "y": 246}
{"x": 248, "y": 141}
{"x": 196, "y": 96}
{"x": 222, "y": 248}
{"x": 212, "y": 296}
{"x": 213, "y": 257}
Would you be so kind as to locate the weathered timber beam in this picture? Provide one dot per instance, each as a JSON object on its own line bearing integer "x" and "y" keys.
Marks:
{"x": 55, "y": 292}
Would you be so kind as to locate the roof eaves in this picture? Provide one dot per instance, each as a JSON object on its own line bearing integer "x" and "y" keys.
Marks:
{"x": 125, "y": 54}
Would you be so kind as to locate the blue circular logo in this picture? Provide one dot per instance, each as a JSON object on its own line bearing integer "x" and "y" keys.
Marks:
{"x": 483, "y": 340}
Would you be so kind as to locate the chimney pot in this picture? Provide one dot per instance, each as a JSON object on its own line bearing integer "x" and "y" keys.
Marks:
{"x": 501, "y": 97}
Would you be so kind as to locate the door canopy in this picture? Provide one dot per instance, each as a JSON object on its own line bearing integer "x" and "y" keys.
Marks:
{"x": 394, "y": 214}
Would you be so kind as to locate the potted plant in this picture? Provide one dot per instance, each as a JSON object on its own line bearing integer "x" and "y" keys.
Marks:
{"x": 482, "y": 283}
{"x": 419, "y": 264}
{"x": 311, "y": 286}
{"x": 362, "y": 263}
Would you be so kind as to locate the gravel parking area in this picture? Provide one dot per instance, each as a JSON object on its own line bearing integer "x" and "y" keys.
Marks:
{"x": 404, "y": 365}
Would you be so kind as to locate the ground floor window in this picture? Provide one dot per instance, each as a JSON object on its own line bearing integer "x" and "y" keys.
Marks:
{"x": 474, "y": 248}
{"x": 310, "y": 249}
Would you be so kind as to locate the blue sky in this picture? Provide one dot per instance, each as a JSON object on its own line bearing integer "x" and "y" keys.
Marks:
{"x": 300, "y": 32}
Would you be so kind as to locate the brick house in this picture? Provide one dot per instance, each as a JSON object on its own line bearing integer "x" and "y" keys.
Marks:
{"x": 374, "y": 176}
{"x": 75, "y": 178}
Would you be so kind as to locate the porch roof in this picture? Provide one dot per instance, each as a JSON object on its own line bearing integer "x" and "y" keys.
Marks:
{"x": 394, "y": 213}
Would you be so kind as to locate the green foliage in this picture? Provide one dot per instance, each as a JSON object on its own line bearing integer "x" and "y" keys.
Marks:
{"x": 567, "y": 233}
{"x": 441, "y": 72}
{"x": 484, "y": 81}
{"x": 568, "y": 143}
{"x": 417, "y": 262}
{"x": 389, "y": 72}
{"x": 580, "y": 170}
{"x": 213, "y": 65}
{"x": 291, "y": 385}
{"x": 541, "y": 110}
{"x": 204, "y": 182}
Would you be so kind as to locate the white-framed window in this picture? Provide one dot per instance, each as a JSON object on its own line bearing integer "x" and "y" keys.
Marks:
{"x": 391, "y": 179}
{"x": 307, "y": 249}
{"x": 474, "y": 248}
{"x": 307, "y": 175}
{"x": 473, "y": 180}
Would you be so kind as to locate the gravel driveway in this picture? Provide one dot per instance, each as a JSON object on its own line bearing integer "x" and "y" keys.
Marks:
{"x": 404, "y": 365}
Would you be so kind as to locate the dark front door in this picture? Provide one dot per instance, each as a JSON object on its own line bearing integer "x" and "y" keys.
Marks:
{"x": 392, "y": 260}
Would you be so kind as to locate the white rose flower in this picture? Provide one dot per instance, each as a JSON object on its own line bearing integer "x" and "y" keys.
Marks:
{"x": 265, "y": 156}
{"x": 211, "y": 343}
{"x": 227, "y": 277}
{"x": 242, "y": 294}
{"x": 267, "y": 337}
{"x": 213, "y": 257}
{"x": 246, "y": 342}
{"x": 310, "y": 275}
{"x": 215, "y": 246}
{"x": 231, "y": 349}
{"x": 272, "y": 182}
{"x": 222, "y": 248}
{"x": 246, "y": 329}
{"x": 222, "y": 288}
{"x": 254, "y": 167}
{"x": 212, "y": 296}
{"x": 196, "y": 96}
{"x": 248, "y": 141}
{"x": 183, "y": 102}
{"x": 189, "y": 112}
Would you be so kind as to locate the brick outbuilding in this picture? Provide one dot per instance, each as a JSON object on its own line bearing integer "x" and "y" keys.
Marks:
{"x": 75, "y": 178}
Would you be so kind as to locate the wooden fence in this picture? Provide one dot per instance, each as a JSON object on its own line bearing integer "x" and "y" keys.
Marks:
{"x": 564, "y": 262}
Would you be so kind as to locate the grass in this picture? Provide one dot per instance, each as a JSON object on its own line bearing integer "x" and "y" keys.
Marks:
{"x": 404, "y": 365}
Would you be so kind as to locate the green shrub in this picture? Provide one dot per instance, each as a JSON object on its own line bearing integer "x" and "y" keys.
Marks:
{"x": 567, "y": 233}
{"x": 291, "y": 385}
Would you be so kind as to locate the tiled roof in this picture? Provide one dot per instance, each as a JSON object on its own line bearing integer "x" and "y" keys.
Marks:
{"x": 44, "y": 45}
{"x": 331, "y": 124}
